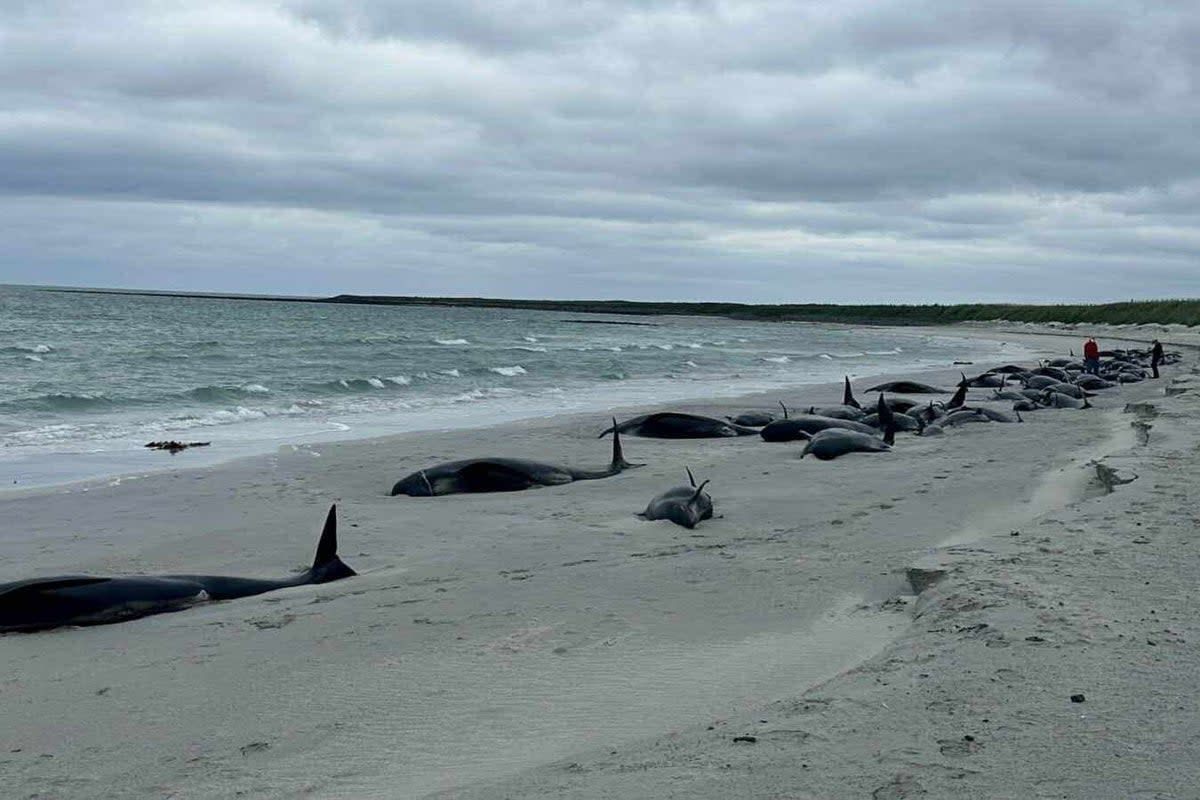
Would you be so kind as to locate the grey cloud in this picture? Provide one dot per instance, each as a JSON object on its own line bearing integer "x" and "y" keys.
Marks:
{"x": 604, "y": 148}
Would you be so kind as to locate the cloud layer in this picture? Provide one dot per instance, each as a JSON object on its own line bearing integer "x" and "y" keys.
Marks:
{"x": 759, "y": 151}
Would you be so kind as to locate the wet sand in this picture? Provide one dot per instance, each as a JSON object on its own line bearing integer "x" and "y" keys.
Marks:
{"x": 550, "y": 644}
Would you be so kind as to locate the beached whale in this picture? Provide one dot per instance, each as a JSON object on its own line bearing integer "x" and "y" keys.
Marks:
{"x": 677, "y": 425}
{"x": 789, "y": 429}
{"x": 954, "y": 419}
{"x": 994, "y": 414}
{"x": 833, "y": 442}
{"x": 474, "y": 475}
{"x": 42, "y": 603}
{"x": 753, "y": 419}
{"x": 1055, "y": 399}
{"x": 843, "y": 411}
{"x": 907, "y": 387}
{"x": 683, "y": 505}
{"x": 988, "y": 380}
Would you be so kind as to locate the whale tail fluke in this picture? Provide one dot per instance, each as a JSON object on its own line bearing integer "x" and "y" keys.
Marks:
{"x": 327, "y": 566}
{"x": 699, "y": 489}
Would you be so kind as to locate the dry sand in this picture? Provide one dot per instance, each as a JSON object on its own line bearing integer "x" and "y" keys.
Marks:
{"x": 550, "y": 644}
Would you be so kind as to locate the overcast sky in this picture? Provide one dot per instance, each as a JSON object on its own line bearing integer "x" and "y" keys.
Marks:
{"x": 847, "y": 151}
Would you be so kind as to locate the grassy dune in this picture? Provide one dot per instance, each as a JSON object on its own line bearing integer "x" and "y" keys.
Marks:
{"x": 1185, "y": 312}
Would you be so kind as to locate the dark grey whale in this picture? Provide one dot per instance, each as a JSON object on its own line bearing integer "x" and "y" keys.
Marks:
{"x": 753, "y": 419}
{"x": 683, "y": 505}
{"x": 42, "y": 603}
{"x": 789, "y": 429}
{"x": 677, "y": 425}
{"x": 474, "y": 475}
{"x": 906, "y": 387}
{"x": 829, "y": 444}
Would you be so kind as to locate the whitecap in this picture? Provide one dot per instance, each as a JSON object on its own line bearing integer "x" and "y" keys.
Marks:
{"x": 692, "y": 364}
{"x": 777, "y": 359}
{"x": 529, "y": 349}
{"x": 694, "y": 345}
{"x": 400, "y": 380}
{"x": 378, "y": 384}
{"x": 665, "y": 346}
{"x": 826, "y": 356}
{"x": 255, "y": 388}
{"x": 508, "y": 371}
{"x": 451, "y": 341}
{"x": 531, "y": 338}
{"x": 453, "y": 373}
{"x": 33, "y": 358}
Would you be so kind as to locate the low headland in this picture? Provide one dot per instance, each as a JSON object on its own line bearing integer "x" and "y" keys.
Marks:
{"x": 1134, "y": 312}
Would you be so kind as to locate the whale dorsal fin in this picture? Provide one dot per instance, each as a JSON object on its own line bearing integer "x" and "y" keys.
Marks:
{"x": 781, "y": 405}
{"x": 618, "y": 456}
{"x": 691, "y": 478}
{"x": 327, "y": 545}
{"x": 848, "y": 395}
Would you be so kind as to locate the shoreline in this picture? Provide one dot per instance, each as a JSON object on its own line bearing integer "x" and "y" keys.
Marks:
{"x": 490, "y": 637}
{"x": 95, "y": 464}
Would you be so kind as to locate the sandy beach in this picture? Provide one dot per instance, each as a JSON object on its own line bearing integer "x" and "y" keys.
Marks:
{"x": 549, "y": 643}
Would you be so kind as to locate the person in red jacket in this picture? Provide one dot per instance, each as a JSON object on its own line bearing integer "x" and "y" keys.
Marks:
{"x": 1091, "y": 356}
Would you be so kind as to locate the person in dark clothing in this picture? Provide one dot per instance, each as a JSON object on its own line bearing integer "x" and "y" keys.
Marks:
{"x": 1091, "y": 356}
{"x": 1156, "y": 356}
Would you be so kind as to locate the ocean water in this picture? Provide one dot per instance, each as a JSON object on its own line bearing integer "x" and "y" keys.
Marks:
{"x": 87, "y": 379}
